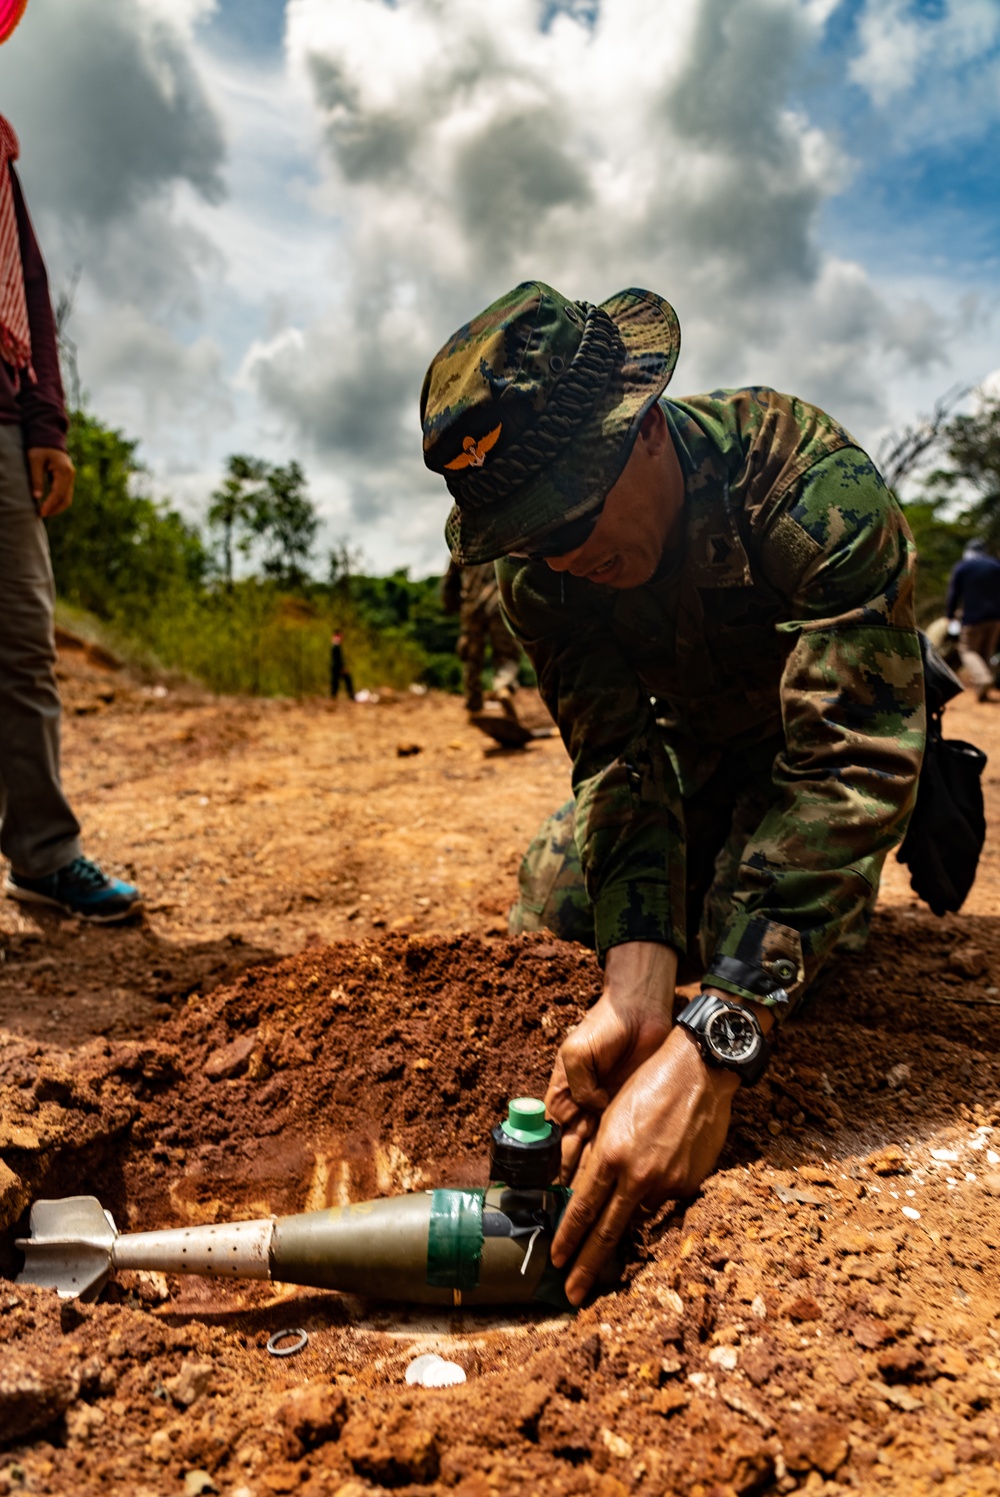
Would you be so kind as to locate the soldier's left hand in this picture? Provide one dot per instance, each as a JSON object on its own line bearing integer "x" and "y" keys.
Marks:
{"x": 659, "y": 1137}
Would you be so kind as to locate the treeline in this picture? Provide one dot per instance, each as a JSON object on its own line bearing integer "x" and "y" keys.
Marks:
{"x": 235, "y": 603}
{"x": 958, "y": 496}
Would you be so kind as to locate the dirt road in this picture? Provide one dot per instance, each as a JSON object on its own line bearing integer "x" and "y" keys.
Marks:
{"x": 255, "y": 829}
{"x": 825, "y": 1318}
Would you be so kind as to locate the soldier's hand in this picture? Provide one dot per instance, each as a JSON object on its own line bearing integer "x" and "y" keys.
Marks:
{"x": 658, "y": 1138}
{"x": 626, "y": 1026}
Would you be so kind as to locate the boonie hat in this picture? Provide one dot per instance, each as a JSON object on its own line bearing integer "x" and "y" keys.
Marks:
{"x": 530, "y": 410}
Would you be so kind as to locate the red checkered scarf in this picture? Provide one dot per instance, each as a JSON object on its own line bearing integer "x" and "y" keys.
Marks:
{"x": 15, "y": 334}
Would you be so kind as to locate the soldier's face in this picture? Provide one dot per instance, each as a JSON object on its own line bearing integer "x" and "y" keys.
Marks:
{"x": 639, "y": 515}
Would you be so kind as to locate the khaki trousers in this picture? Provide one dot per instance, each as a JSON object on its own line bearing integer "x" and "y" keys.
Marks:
{"x": 39, "y": 832}
{"x": 978, "y": 644}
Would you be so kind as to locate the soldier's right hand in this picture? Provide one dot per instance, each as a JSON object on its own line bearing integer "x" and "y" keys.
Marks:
{"x": 624, "y": 1028}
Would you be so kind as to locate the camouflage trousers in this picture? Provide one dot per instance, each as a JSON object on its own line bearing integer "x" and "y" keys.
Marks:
{"x": 479, "y": 627}
{"x": 719, "y": 820}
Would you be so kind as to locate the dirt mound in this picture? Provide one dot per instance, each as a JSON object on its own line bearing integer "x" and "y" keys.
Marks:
{"x": 825, "y": 1315}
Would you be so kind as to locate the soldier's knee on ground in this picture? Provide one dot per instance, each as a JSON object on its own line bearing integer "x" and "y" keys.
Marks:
{"x": 552, "y": 895}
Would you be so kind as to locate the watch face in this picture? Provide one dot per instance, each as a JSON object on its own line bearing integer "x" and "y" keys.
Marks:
{"x": 732, "y": 1035}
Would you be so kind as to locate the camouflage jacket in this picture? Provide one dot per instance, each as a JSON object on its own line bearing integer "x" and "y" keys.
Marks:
{"x": 786, "y": 609}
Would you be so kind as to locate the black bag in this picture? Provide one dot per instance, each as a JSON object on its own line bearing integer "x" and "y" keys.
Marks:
{"x": 948, "y": 826}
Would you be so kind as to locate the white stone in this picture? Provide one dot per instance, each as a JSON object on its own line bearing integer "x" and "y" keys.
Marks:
{"x": 911, "y": 1213}
{"x": 725, "y": 1357}
{"x": 432, "y": 1371}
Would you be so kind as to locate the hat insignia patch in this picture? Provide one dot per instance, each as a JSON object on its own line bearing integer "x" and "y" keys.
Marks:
{"x": 474, "y": 455}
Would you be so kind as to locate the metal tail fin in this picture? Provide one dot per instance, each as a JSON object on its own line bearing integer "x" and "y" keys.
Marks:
{"x": 70, "y": 1247}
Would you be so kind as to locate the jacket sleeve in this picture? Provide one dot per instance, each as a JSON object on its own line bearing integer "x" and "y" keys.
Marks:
{"x": 852, "y": 705}
{"x": 629, "y": 819}
{"x": 43, "y": 405}
{"x": 954, "y": 598}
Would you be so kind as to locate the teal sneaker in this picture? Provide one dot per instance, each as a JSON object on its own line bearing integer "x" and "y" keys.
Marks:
{"x": 81, "y": 888}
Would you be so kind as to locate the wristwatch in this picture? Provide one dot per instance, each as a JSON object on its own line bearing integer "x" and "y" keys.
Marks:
{"x": 728, "y": 1035}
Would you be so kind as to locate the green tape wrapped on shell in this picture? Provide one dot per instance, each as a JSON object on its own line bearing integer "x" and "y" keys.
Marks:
{"x": 441, "y": 1247}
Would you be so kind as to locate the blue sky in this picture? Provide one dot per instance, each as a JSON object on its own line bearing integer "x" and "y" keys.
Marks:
{"x": 280, "y": 213}
{"x": 255, "y": 26}
{"x": 913, "y": 202}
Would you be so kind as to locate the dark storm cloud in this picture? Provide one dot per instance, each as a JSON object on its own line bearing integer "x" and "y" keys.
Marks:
{"x": 368, "y": 145}
{"x": 109, "y": 109}
{"x": 511, "y": 175}
{"x": 756, "y": 205}
{"x": 344, "y": 390}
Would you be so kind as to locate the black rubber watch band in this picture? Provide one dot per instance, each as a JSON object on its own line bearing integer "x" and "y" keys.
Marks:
{"x": 694, "y": 1020}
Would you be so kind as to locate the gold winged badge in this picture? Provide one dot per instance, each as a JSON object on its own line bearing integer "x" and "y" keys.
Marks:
{"x": 475, "y": 452}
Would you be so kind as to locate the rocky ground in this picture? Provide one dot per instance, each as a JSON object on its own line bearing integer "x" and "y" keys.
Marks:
{"x": 321, "y": 1005}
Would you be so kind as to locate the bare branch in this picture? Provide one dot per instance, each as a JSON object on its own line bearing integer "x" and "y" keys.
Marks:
{"x": 902, "y": 451}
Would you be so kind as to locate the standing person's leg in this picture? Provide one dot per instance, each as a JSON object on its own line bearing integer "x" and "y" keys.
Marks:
{"x": 991, "y": 645}
{"x": 39, "y": 833}
{"x": 506, "y": 655}
{"x": 975, "y": 648}
{"x": 348, "y": 686}
{"x": 473, "y": 658}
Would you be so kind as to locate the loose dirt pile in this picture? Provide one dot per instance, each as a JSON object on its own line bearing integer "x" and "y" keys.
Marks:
{"x": 825, "y": 1317}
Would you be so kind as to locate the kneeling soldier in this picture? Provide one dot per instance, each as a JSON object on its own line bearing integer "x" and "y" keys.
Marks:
{"x": 717, "y": 596}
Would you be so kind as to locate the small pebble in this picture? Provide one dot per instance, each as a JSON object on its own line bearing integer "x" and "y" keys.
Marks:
{"x": 944, "y": 1156}
{"x": 912, "y": 1213}
{"x": 432, "y": 1371}
{"x": 725, "y": 1357}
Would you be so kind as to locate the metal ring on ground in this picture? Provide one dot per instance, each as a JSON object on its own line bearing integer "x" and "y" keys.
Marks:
{"x": 301, "y": 1340}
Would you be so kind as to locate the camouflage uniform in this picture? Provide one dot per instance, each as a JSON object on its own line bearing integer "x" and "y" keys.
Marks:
{"x": 480, "y": 622}
{"x": 747, "y": 728}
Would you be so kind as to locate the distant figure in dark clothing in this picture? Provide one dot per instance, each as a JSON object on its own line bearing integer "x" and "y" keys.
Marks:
{"x": 974, "y": 590}
{"x": 338, "y": 672}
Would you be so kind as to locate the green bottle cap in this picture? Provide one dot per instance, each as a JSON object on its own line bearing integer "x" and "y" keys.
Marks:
{"x": 526, "y": 1120}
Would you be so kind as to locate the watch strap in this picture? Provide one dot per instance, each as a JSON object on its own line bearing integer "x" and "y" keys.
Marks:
{"x": 694, "y": 1019}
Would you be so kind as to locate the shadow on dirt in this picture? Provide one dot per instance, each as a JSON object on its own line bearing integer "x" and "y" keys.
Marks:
{"x": 901, "y": 1041}
{"x": 64, "y": 982}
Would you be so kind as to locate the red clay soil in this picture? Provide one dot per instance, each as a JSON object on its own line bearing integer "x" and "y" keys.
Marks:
{"x": 825, "y": 1317}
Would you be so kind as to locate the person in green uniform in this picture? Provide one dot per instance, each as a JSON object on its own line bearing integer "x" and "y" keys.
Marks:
{"x": 716, "y": 593}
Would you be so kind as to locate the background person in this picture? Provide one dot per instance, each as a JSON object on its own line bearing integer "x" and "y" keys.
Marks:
{"x": 473, "y": 593}
{"x": 974, "y": 591}
{"x": 40, "y": 834}
{"x": 338, "y": 670}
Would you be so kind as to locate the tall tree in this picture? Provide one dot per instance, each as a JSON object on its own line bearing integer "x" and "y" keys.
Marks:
{"x": 235, "y": 505}
{"x": 118, "y": 552}
{"x": 970, "y": 476}
{"x": 286, "y": 521}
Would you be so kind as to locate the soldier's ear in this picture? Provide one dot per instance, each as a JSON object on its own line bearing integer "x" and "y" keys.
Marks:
{"x": 653, "y": 433}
